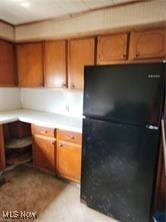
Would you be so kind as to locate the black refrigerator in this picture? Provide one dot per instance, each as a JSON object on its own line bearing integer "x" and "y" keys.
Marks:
{"x": 123, "y": 107}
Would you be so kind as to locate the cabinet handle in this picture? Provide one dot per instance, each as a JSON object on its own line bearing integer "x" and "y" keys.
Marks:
{"x": 64, "y": 85}
{"x": 137, "y": 54}
{"x": 72, "y": 86}
{"x": 44, "y": 132}
{"x": 124, "y": 55}
{"x": 72, "y": 137}
{"x": 61, "y": 145}
{"x": 164, "y": 143}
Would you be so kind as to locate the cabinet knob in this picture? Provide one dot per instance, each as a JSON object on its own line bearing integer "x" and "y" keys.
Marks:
{"x": 72, "y": 86}
{"x": 124, "y": 55}
{"x": 137, "y": 54}
{"x": 61, "y": 145}
{"x": 64, "y": 85}
{"x": 44, "y": 132}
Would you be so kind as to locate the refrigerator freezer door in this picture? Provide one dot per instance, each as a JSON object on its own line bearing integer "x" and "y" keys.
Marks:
{"x": 118, "y": 169}
{"x": 130, "y": 93}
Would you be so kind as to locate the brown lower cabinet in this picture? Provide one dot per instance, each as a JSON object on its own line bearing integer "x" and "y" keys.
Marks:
{"x": 44, "y": 152}
{"x": 44, "y": 147}
{"x": 68, "y": 160}
{"x": 2, "y": 149}
{"x": 58, "y": 151}
{"x": 68, "y": 155}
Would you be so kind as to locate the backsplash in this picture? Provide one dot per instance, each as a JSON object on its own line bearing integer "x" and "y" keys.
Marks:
{"x": 50, "y": 100}
{"x": 9, "y": 99}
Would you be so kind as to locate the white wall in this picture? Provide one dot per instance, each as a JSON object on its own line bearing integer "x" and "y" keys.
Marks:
{"x": 6, "y": 31}
{"x": 9, "y": 99}
{"x": 49, "y": 100}
{"x": 141, "y": 13}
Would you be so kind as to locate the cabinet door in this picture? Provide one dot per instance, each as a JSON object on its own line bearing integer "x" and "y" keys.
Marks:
{"x": 30, "y": 64}
{"x": 160, "y": 191}
{"x": 68, "y": 160}
{"x": 44, "y": 152}
{"x": 148, "y": 44}
{"x": 55, "y": 64}
{"x": 2, "y": 149}
{"x": 7, "y": 64}
{"x": 81, "y": 53}
{"x": 111, "y": 48}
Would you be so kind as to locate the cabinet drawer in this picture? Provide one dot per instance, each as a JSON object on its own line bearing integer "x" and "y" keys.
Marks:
{"x": 43, "y": 131}
{"x": 69, "y": 136}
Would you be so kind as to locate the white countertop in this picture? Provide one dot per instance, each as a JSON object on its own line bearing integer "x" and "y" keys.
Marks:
{"x": 44, "y": 119}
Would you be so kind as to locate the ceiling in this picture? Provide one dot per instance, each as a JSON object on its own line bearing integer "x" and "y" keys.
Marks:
{"x": 24, "y": 11}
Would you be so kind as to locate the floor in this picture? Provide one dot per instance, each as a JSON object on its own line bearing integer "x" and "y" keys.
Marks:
{"x": 28, "y": 189}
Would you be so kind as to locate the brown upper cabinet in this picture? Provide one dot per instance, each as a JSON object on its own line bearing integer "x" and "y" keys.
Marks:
{"x": 55, "y": 64}
{"x": 149, "y": 44}
{"x": 111, "y": 48}
{"x": 81, "y": 52}
{"x": 30, "y": 64}
{"x": 8, "y": 75}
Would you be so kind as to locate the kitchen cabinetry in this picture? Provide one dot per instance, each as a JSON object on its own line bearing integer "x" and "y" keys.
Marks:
{"x": 55, "y": 64}
{"x": 149, "y": 44}
{"x": 81, "y": 52}
{"x": 68, "y": 158}
{"x": 30, "y": 64}
{"x": 160, "y": 191}
{"x": 2, "y": 149}
{"x": 111, "y": 48}
{"x": 44, "y": 147}
{"x": 17, "y": 129}
{"x": 8, "y": 75}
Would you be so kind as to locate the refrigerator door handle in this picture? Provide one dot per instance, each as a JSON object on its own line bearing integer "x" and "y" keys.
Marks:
{"x": 164, "y": 143}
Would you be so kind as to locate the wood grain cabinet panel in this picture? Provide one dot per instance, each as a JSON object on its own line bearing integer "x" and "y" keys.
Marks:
{"x": 150, "y": 44}
{"x": 8, "y": 75}
{"x": 30, "y": 64}
{"x": 44, "y": 151}
{"x": 112, "y": 48}
{"x": 80, "y": 53}
{"x": 68, "y": 136}
{"x": 55, "y": 64}
{"x": 2, "y": 149}
{"x": 68, "y": 161}
{"x": 44, "y": 131}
